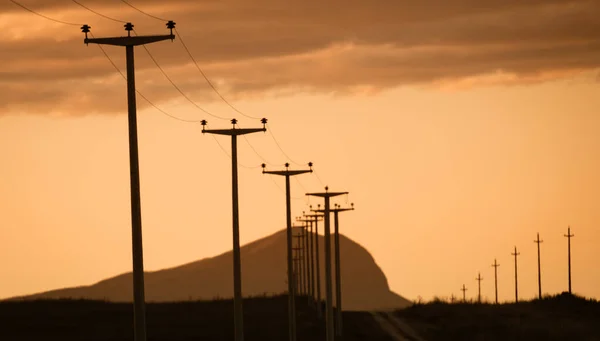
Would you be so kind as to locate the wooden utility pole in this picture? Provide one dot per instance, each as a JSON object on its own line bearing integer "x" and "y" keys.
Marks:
{"x": 538, "y": 242}
{"x": 297, "y": 267}
{"x": 464, "y": 291}
{"x": 479, "y": 279}
{"x": 139, "y": 307}
{"x": 317, "y": 262}
{"x": 287, "y": 173}
{"x": 237, "y": 264}
{"x": 569, "y": 236}
{"x": 338, "y": 278}
{"x": 300, "y": 255}
{"x": 328, "y": 287}
{"x": 516, "y": 254}
{"x": 308, "y": 262}
{"x": 495, "y": 266}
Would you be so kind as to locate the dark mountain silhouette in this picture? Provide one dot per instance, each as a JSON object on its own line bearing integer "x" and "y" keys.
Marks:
{"x": 364, "y": 285}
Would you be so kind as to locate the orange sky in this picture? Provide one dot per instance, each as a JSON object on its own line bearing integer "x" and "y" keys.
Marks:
{"x": 449, "y": 167}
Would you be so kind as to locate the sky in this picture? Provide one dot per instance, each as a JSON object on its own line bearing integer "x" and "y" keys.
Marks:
{"x": 461, "y": 129}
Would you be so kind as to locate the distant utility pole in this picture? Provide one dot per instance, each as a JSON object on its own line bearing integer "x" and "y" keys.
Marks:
{"x": 297, "y": 271}
{"x": 495, "y": 266}
{"x": 479, "y": 279}
{"x": 237, "y": 264}
{"x": 328, "y": 287}
{"x": 338, "y": 278}
{"x": 569, "y": 236}
{"x": 516, "y": 254}
{"x": 309, "y": 258}
{"x": 538, "y": 242}
{"x": 317, "y": 262}
{"x": 288, "y": 210}
{"x": 464, "y": 291}
{"x": 301, "y": 271}
{"x": 139, "y": 309}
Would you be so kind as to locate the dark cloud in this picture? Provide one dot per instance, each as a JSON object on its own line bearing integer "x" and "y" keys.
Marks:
{"x": 252, "y": 47}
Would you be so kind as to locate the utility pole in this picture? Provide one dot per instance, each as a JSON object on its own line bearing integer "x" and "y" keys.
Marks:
{"x": 495, "y": 266}
{"x": 288, "y": 210}
{"x": 316, "y": 262}
{"x": 338, "y": 280}
{"x": 464, "y": 291}
{"x": 237, "y": 264}
{"x": 479, "y": 279}
{"x": 516, "y": 254}
{"x": 538, "y": 242}
{"x": 328, "y": 287}
{"x": 309, "y": 259}
{"x": 297, "y": 272}
{"x": 569, "y": 236}
{"x": 299, "y": 245}
{"x": 139, "y": 308}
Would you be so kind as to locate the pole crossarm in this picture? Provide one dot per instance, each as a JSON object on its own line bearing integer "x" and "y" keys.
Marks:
{"x": 128, "y": 41}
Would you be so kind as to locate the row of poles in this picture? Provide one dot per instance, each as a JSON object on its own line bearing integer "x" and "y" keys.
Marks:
{"x": 516, "y": 254}
{"x": 129, "y": 42}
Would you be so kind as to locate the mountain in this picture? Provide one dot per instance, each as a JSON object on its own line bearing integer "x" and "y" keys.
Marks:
{"x": 364, "y": 285}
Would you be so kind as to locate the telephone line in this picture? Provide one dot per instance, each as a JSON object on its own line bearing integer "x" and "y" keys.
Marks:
{"x": 44, "y": 16}
{"x": 145, "y": 13}
{"x": 100, "y": 14}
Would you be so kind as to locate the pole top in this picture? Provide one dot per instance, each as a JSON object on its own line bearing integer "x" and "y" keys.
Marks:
{"x": 128, "y": 27}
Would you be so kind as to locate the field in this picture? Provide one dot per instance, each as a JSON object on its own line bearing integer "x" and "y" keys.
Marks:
{"x": 264, "y": 319}
{"x": 562, "y": 317}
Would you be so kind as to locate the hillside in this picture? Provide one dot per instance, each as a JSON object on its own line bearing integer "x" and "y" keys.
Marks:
{"x": 365, "y": 286}
{"x": 562, "y": 317}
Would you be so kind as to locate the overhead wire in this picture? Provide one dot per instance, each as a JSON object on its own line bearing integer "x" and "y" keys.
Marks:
{"x": 42, "y": 15}
{"x": 98, "y": 13}
{"x": 105, "y": 54}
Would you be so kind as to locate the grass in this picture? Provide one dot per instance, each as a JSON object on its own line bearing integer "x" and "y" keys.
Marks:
{"x": 265, "y": 318}
{"x": 561, "y": 317}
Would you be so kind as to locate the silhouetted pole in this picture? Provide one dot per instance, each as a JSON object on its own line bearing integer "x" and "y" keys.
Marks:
{"x": 464, "y": 291}
{"x": 569, "y": 236}
{"x": 297, "y": 271}
{"x": 237, "y": 264}
{"x": 538, "y": 242}
{"x": 479, "y": 279}
{"x": 317, "y": 262}
{"x": 288, "y": 210}
{"x": 338, "y": 278}
{"x": 299, "y": 244}
{"x": 139, "y": 309}
{"x": 496, "y": 265}
{"x": 516, "y": 254}
{"x": 309, "y": 259}
{"x": 328, "y": 287}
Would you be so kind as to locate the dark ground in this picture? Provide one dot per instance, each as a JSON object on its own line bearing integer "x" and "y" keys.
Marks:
{"x": 264, "y": 319}
{"x": 563, "y": 317}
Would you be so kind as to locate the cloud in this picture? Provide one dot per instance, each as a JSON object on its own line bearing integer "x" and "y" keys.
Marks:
{"x": 267, "y": 46}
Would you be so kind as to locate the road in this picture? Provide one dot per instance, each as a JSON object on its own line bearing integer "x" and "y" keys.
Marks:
{"x": 395, "y": 327}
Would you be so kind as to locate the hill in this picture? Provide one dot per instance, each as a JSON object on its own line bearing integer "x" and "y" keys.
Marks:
{"x": 562, "y": 317}
{"x": 365, "y": 286}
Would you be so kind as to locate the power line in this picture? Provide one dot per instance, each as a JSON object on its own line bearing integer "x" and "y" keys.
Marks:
{"x": 44, "y": 16}
{"x": 97, "y": 13}
{"x": 138, "y": 92}
{"x": 145, "y": 13}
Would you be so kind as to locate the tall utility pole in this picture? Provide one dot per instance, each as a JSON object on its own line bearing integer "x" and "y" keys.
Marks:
{"x": 538, "y": 242}
{"x": 516, "y": 254}
{"x": 299, "y": 245}
{"x": 338, "y": 280}
{"x": 297, "y": 272}
{"x": 328, "y": 287}
{"x": 569, "y": 236}
{"x": 139, "y": 309}
{"x": 309, "y": 257}
{"x": 495, "y": 266}
{"x": 464, "y": 291}
{"x": 479, "y": 279}
{"x": 288, "y": 210}
{"x": 237, "y": 264}
{"x": 317, "y": 261}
